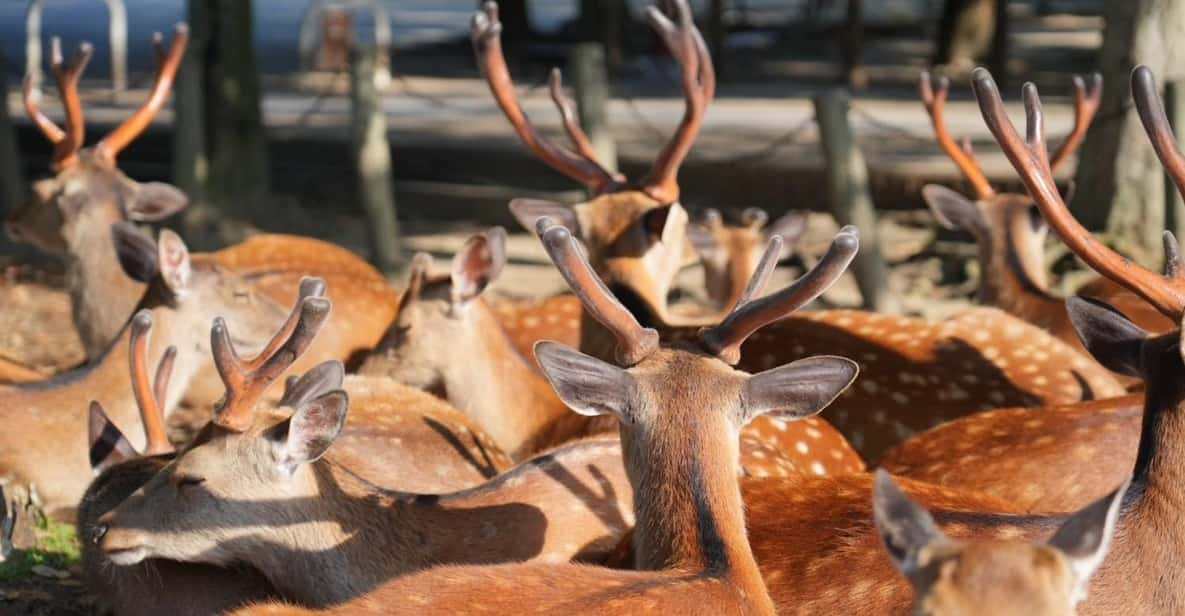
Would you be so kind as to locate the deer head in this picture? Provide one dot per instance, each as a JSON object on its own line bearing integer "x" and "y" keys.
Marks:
{"x": 1008, "y": 228}
{"x": 953, "y": 577}
{"x": 635, "y": 233}
{"x": 270, "y": 451}
{"x": 88, "y": 191}
{"x": 729, "y": 254}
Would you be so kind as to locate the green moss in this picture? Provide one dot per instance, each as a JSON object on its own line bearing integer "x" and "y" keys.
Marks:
{"x": 57, "y": 547}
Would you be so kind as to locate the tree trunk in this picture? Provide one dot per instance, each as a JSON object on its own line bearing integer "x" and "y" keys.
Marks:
{"x": 372, "y": 161}
{"x": 1120, "y": 181}
{"x": 237, "y": 175}
{"x": 965, "y": 32}
{"x": 11, "y": 180}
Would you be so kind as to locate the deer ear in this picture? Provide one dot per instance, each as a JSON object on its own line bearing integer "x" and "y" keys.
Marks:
{"x": 953, "y": 211}
{"x": 529, "y": 211}
{"x": 324, "y": 377}
{"x": 701, "y": 239}
{"x": 108, "y": 446}
{"x": 477, "y": 264}
{"x": 587, "y": 385}
{"x": 790, "y": 226}
{"x": 799, "y": 389}
{"x": 904, "y": 526}
{"x": 307, "y": 435}
{"x": 137, "y": 253}
{"x": 1110, "y": 337}
{"x": 1086, "y": 536}
{"x": 156, "y": 201}
{"x": 667, "y": 222}
{"x": 173, "y": 257}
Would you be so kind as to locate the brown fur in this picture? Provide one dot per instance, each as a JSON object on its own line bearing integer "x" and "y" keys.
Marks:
{"x": 1056, "y": 460}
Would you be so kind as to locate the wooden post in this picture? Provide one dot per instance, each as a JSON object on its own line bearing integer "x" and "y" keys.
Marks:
{"x": 118, "y": 35}
{"x": 850, "y": 198}
{"x": 11, "y": 181}
{"x": 590, "y": 78}
{"x": 372, "y": 160}
{"x": 33, "y": 42}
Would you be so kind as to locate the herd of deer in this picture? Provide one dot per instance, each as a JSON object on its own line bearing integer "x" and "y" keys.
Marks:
{"x": 1024, "y": 447}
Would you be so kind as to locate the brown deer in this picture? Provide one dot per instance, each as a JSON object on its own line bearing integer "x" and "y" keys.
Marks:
{"x": 1045, "y": 456}
{"x": 635, "y": 233}
{"x": 155, "y": 586}
{"x": 257, "y": 465}
{"x": 680, "y": 410}
{"x": 729, "y": 253}
{"x": 998, "y": 578}
{"x": 44, "y": 444}
{"x": 512, "y": 401}
{"x": 1009, "y": 229}
{"x": 70, "y": 215}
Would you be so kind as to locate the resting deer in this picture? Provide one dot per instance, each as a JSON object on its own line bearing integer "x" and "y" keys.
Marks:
{"x": 729, "y": 254}
{"x": 1009, "y": 229}
{"x": 71, "y": 213}
{"x": 512, "y": 401}
{"x": 44, "y": 443}
{"x": 1000, "y": 578}
{"x": 847, "y": 571}
{"x": 257, "y": 464}
{"x": 154, "y": 586}
{"x": 680, "y": 410}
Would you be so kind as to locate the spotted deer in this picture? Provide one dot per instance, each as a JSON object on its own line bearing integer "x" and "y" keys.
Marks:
{"x": 958, "y": 578}
{"x": 44, "y": 444}
{"x": 729, "y": 253}
{"x": 1009, "y": 230}
{"x": 70, "y": 215}
{"x": 1040, "y": 452}
{"x": 154, "y": 586}
{"x": 224, "y": 497}
{"x": 635, "y": 232}
{"x": 513, "y": 401}
{"x": 680, "y": 409}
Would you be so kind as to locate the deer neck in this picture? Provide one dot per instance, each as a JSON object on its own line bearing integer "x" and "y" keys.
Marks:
{"x": 1013, "y": 284}
{"x": 102, "y": 296}
{"x": 690, "y": 517}
{"x": 499, "y": 388}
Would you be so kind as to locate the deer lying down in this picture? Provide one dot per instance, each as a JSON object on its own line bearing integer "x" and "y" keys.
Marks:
{"x": 504, "y": 393}
{"x": 729, "y": 253}
{"x": 258, "y": 465}
{"x": 996, "y": 578}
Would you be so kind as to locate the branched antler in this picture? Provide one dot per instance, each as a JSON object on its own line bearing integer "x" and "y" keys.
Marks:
{"x": 934, "y": 99}
{"x": 150, "y": 397}
{"x": 66, "y": 142}
{"x": 1031, "y": 160}
{"x": 1086, "y": 105}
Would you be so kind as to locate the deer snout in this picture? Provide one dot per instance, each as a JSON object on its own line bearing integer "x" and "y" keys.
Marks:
{"x": 122, "y": 546}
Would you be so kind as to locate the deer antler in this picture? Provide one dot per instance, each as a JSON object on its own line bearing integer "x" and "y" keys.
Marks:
{"x": 725, "y": 339}
{"x": 486, "y": 33}
{"x": 934, "y": 99}
{"x": 765, "y": 268}
{"x": 1031, "y": 161}
{"x": 150, "y": 397}
{"x": 634, "y": 342}
{"x": 247, "y": 380}
{"x": 699, "y": 87}
{"x": 66, "y": 142}
{"x": 1156, "y": 124}
{"x": 168, "y": 64}
{"x": 1086, "y": 105}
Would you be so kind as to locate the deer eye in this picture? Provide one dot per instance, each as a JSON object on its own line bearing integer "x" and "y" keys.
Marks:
{"x": 189, "y": 482}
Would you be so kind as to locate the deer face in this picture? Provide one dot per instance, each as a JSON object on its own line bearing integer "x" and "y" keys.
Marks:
{"x": 230, "y": 492}
{"x": 84, "y": 200}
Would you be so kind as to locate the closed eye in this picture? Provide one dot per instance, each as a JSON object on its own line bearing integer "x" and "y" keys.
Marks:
{"x": 189, "y": 482}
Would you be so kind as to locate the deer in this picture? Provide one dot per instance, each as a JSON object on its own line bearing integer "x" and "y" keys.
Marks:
{"x": 257, "y": 463}
{"x": 729, "y": 254}
{"x": 951, "y": 577}
{"x": 1033, "y": 450}
{"x": 679, "y": 409}
{"x": 1009, "y": 230}
{"x": 512, "y": 400}
{"x": 70, "y": 214}
{"x": 121, "y": 468}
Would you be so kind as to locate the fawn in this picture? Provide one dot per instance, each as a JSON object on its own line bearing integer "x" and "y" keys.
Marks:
{"x": 953, "y": 578}
{"x": 680, "y": 410}
{"x": 729, "y": 254}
